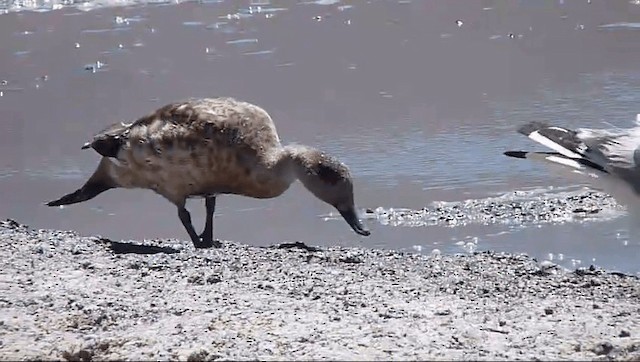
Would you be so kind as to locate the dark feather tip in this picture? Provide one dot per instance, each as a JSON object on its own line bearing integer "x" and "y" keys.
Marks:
{"x": 527, "y": 129}
{"x": 516, "y": 154}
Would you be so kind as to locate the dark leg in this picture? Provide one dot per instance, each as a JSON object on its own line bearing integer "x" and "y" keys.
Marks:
{"x": 185, "y": 217}
{"x": 207, "y": 233}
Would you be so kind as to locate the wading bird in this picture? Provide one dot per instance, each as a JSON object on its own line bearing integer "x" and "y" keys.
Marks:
{"x": 207, "y": 147}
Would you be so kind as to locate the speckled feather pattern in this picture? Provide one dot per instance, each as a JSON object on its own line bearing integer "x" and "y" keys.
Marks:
{"x": 210, "y": 146}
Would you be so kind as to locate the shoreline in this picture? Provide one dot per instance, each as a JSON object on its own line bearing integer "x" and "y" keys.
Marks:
{"x": 67, "y": 296}
{"x": 510, "y": 208}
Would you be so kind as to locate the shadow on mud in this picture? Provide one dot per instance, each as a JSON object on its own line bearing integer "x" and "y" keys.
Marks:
{"x": 119, "y": 247}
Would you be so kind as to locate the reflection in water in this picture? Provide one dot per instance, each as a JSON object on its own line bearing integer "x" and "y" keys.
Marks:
{"x": 418, "y": 116}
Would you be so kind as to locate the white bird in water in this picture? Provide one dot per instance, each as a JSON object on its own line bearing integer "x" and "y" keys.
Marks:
{"x": 207, "y": 147}
{"x": 610, "y": 156}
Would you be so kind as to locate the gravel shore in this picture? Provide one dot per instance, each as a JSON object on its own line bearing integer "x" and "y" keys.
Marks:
{"x": 66, "y": 296}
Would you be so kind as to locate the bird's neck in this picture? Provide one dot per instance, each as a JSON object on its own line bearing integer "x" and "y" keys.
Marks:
{"x": 295, "y": 160}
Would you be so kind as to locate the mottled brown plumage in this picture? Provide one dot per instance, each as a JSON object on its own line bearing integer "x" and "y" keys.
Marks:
{"x": 211, "y": 146}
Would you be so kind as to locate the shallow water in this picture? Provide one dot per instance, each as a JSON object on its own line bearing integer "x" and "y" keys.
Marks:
{"x": 418, "y": 104}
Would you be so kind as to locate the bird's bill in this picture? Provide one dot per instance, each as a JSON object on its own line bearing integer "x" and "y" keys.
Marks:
{"x": 351, "y": 217}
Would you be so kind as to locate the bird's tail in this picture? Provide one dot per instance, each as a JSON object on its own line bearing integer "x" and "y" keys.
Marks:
{"x": 581, "y": 164}
{"x": 562, "y": 140}
{"x": 570, "y": 149}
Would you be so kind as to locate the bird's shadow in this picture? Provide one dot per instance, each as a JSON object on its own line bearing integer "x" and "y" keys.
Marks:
{"x": 118, "y": 247}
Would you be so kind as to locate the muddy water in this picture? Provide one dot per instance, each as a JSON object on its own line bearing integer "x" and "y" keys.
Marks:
{"x": 419, "y": 98}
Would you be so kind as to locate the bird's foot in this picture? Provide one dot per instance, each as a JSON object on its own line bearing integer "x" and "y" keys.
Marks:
{"x": 206, "y": 243}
